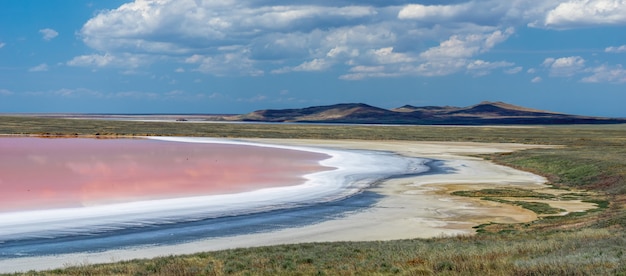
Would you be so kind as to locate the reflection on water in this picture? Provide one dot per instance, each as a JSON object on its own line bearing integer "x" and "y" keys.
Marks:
{"x": 330, "y": 191}
{"x": 38, "y": 173}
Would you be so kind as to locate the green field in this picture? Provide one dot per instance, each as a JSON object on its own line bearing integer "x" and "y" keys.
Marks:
{"x": 591, "y": 159}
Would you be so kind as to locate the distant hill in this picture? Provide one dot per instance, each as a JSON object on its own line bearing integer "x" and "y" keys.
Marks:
{"x": 484, "y": 113}
{"x": 330, "y": 113}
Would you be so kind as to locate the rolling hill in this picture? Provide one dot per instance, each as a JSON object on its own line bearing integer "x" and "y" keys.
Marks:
{"x": 484, "y": 113}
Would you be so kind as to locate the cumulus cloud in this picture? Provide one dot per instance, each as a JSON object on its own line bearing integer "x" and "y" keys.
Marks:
{"x": 230, "y": 63}
{"x": 619, "y": 49}
{"x": 482, "y": 68}
{"x": 187, "y": 25}
{"x": 581, "y": 13}
{"x": 370, "y": 38}
{"x": 39, "y": 68}
{"x": 536, "y": 80}
{"x": 576, "y": 65}
{"x": 253, "y": 37}
{"x": 48, "y": 34}
{"x": 605, "y": 73}
{"x": 494, "y": 13}
{"x": 565, "y": 66}
{"x": 434, "y": 12}
{"x": 558, "y": 14}
{"x": 455, "y": 53}
{"x": 483, "y": 12}
{"x": 464, "y": 46}
{"x": 360, "y": 72}
{"x": 388, "y": 56}
{"x": 317, "y": 64}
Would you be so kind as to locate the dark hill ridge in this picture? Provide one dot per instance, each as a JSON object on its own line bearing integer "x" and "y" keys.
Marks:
{"x": 500, "y": 109}
{"x": 362, "y": 112}
{"x": 481, "y": 114}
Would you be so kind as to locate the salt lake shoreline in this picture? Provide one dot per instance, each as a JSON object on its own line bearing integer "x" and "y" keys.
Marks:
{"x": 410, "y": 207}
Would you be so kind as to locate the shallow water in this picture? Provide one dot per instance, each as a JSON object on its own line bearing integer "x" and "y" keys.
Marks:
{"x": 37, "y": 173}
{"x": 324, "y": 194}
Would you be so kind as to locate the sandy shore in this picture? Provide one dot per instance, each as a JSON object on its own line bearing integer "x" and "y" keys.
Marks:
{"x": 413, "y": 207}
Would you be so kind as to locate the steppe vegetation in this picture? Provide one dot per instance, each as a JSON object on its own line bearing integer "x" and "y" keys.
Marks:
{"x": 590, "y": 165}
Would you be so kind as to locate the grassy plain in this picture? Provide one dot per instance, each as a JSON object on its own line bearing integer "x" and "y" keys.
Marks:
{"x": 592, "y": 159}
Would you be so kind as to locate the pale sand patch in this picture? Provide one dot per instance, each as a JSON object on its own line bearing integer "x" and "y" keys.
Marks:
{"x": 413, "y": 207}
{"x": 420, "y": 206}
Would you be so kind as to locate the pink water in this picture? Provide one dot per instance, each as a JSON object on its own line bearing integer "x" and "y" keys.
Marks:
{"x": 39, "y": 173}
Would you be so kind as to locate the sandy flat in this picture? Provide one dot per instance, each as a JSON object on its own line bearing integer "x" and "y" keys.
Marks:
{"x": 412, "y": 207}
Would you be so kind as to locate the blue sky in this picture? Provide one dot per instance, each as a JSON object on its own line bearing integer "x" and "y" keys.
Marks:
{"x": 227, "y": 56}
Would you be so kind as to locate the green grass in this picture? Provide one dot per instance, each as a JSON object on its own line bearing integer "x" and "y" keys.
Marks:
{"x": 504, "y": 192}
{"x": 501, "y": 195}
{"x": 539, "y": 208}
{"x": 592, "y": 252}
{"x": 591, "y": 158}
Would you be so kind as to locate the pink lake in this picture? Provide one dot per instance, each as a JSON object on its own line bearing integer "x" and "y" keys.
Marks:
{"x": 44, "y": 173}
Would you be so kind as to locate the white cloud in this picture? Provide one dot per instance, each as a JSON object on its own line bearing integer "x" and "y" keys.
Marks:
{"x": 388, "y": 55}
{"x": 228, "y": 63}
{"x": 477, "y": 12}
{"x": 249, "y": 37}
{"x": 536, "y": 80}
{"x": 576, "y": 65}
{"x": 39, "y": 68}
{"x": 91, "y": 60}
{"x": 605, "y": 73}
{"x": 5, "y": 92}
{"x": 124, "y": 60}
{"x": 580, "y": 13}
{"x": 2, "y": 44}
{"x": 361, "y": 72}
{"x": 367, "y": 69}
{"x": 565, "y": 66}
{"x": 465, "y": 46}
{"x": 433, "y": 12}
{"x": 48, "y": 34}
{"x": 187, "y": 25}
{"x": 455, "y": 54}
{"x": 438, "y": 68}
{"x": 455, "y": 47}
{"x": 514, "y": 70}
{"x": 619, "y": 49}
{"x": 317, "y": 64}
{"x": 482, "y": 68}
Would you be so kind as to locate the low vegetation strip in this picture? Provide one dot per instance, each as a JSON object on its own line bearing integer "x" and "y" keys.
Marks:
{"x": 581, "y": 243}
{"x": 553, "y": 253}
{"x": 510, "y": 192}
{"x": 549, "y": 135}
